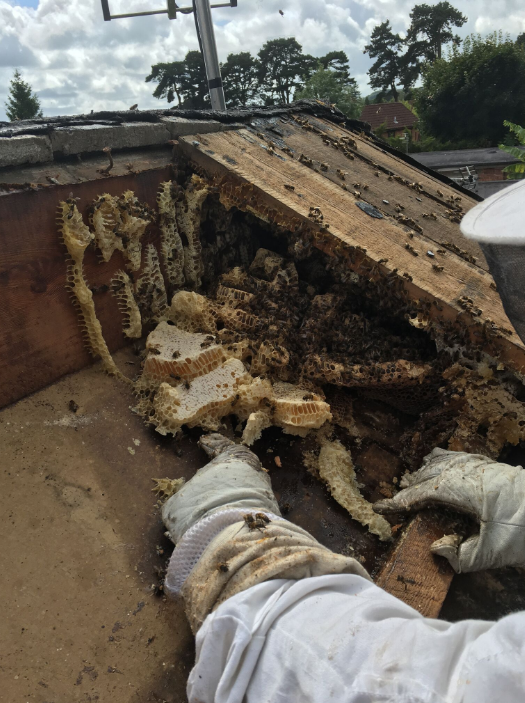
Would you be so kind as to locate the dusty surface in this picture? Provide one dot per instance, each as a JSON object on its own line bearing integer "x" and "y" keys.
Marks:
{"x": 80, "y": 532}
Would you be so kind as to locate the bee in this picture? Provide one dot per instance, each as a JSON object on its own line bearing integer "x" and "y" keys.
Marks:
{"x": 408, "y": 277}
{"x": 493, "y": 285}
{"x": 411, "y": 249}
{"x": 224, "y": 568}
{"x": 438, "y": 267}
{"x": 154, "y": 350}
{"x": 308, "y": 396}
{"x": 175, "y": 355}
{"x": 324, "y": 166}
{"x": 255, "y": 523}
{"x": 341, "y": 174}
{"x": 377, "y": 174}
{"x": 288, "y": 151}
{"x": 439, "y": 193}
{"x": 187, "y": 385}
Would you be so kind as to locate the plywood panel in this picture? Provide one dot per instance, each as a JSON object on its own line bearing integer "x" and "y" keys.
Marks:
{"x": 279, "y": 187}
{"x": 412, "y": 573}
{"x": 39, "y": 334}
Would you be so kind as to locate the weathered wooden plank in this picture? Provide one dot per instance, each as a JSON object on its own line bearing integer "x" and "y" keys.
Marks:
{"x": 40, "y": 339}
{"x": 362, "y": 171}
{"x": 412, "y": 573}
{"x": 256, "y": 180}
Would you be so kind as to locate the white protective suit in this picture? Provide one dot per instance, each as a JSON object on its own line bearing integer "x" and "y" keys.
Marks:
{"x": 328, "y": 633}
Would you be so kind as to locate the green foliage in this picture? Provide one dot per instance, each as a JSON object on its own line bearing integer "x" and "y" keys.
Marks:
{"x": 240, "y": 78}
{"x": 283, "y": 69}
{"x": 22, "y": 103}
{"x": 468, "y": 95}
{"x": 520, "y": 39}
{"x": 431, "y": 28}
{"x": 185, "y": 80}
{"x": 335, "y": 87}
{"x": 387, "y": 70}
{"x": 515, "y": 170}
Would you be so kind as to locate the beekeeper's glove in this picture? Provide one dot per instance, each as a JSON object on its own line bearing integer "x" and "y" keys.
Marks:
{"x": 491, "y": 492}
{"x": 233, "y": 479}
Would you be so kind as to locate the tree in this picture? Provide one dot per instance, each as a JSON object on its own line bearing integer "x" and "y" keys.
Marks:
{"x": 431, "y": 28}
{"x": 515, "y": 170}
{"x": 520, "y": 40}
{"x": 468, "y": 95}
{"x": 22, "y": 103}
{"x": 337, "y": 61}
{"x": 327, "y": 86}
{"x": 388, "y": 68}
{"x": 283, "y": 68}
{"x": 240, "y": 77}
{"x": 184, "y": 79}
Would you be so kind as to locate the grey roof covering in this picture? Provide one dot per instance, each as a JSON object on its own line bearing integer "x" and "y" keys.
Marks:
{"x": 486, "y": 188}
{"x": 464, "y": 157}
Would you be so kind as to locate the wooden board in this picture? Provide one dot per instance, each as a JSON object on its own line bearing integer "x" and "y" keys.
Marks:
{"x": 40, "y": 339}
{"x": 255, "y": 180}
{"x": 412, "y": 573}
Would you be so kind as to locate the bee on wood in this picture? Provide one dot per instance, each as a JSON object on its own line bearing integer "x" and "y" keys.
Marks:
{"x": 440, "y": 193}
{"x": 289, "y": 187}
{"x": 408, "y": 277}
{"x": 341, "y": 174}
{"x": 411, "y": 249}
{"x": 324, "y": 166}
{"x": 438, "y": 267}
{"x": 493, "y": 285}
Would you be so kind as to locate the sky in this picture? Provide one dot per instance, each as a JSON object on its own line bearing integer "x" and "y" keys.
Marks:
{"x": 76, "y": 62}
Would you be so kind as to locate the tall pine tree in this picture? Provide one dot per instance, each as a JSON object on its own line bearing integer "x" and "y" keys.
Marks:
{"x": 22, "y": 103}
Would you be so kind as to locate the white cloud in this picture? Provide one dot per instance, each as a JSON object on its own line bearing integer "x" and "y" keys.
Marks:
{"x": 77, "y": 62}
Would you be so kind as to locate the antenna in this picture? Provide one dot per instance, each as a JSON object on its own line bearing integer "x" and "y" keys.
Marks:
{"x": 201, "y": 10}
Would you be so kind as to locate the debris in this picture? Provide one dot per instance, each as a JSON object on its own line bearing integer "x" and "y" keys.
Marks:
{"x": 370, "y": 210}
{"x": 277, "y": 460}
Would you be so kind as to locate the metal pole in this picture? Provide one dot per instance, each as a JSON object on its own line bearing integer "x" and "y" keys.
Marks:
{"x": 209, "y": 52}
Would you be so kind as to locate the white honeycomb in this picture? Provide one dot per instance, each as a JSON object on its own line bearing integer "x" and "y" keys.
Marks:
{"x": 171, "y": 248}
{"x": 174, "y": 355}
{"x": 337, "y": 469}
{"x": 188, "y": 221}
{"x": 150, "y": 288}
{"x": 192, "y": 312}
{"x": 297, "y": 409}
{"x": 77, "y": 238}
{"x": 202, "y": 402}
{"x": 119, "y": 223}
{"x": 122, "y": 290}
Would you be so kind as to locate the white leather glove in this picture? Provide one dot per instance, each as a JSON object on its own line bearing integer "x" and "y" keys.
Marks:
{"x": 491, "y": 492}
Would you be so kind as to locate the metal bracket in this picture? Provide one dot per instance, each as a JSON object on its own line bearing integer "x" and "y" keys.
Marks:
{"x": 171, "y": 11}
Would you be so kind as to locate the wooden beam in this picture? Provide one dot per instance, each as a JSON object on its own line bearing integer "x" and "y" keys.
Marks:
{"x": 280, "y": 189}
{"x": 412, "y": 573}
{"x": 40, "y": 339}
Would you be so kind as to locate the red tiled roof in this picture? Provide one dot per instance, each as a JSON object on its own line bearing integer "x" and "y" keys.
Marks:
{"x": 393, "y": 115}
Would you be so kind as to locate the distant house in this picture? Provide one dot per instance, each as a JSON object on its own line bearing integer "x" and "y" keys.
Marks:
{"x": 395, "y": 118}
{"x": 486, "y": 166}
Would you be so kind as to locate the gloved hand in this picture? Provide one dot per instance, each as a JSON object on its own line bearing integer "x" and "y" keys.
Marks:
{"x": 491, "y": 492}
{"x": 233, "y": 479}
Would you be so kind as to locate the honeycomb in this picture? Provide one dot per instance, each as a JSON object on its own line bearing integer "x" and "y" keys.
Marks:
{"x": 77, "y": 237}
{"x": 119, "y": 223}
{"x": 256, "y": 423}
{"x": 150, "y": 288}
{"x": 233, "y": 297}
{"x": 336, "y": 468}
{"x": 188, "y": 221}
{"x": 121, "y": 288}
{"x": 167, "y": 487}
{"x": 171, "y": 248}
{"x": 399, "y": 372}
{"x": 207, "y": 399}
{"x": 175, "y": 354}
{"x": 192, "y": 312}
{"x": 296, "y": 408}
{"x": 488, "y": 412}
